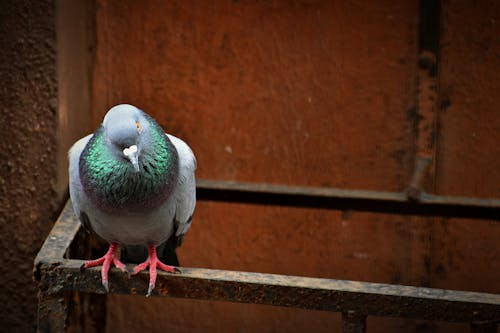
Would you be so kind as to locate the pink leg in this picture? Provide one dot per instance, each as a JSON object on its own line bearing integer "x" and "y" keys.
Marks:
{"x": 111, "y": 256}
{"x": 153, "y": 262}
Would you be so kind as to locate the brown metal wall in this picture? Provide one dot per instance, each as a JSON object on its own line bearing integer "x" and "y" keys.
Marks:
{"x": 466, "y": 254}
{"x": 309, "y": 93}
{"x": 258, "y": 89}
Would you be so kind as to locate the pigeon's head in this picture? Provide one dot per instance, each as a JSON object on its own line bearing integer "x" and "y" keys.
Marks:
{"x": 125, "y": 128}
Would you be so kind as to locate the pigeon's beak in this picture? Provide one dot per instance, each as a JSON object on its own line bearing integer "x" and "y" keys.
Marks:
{"x": 132, "y": 154}
{"x": 134, "y": 159}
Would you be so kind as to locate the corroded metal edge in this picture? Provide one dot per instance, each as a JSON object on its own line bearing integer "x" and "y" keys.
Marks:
{"x": 400, "y": 203}
{"x": 57, "y": 275}
{"x": 59, "y": 239}
{"x": 282, "y": 290}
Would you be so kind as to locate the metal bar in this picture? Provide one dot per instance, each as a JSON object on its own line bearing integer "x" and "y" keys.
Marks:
{"x": 335, "y": 198}
{"x": 426, "y": 113}
{"x": 62, "y": 234}
{"x": 429, "y": 25}
{"x": 353, "y": 322}
{"x": 483, "y": 328}
{"x": 58, "y": 275}
{"x": 282, "y": 290}
{"x": 88, "y": 313}
{"x": 52, "y": 311}
{"x": 414, "y": 190}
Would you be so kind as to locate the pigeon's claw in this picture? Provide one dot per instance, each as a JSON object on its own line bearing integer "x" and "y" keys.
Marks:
{"x": 154, "y": 263}
{"x": 150, "y": 289}
{"x": 105, "y": 284}
{"x": 112, "y": 256}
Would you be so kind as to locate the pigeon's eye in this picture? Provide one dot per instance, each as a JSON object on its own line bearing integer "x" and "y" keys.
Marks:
{"x": 138, "y": 126}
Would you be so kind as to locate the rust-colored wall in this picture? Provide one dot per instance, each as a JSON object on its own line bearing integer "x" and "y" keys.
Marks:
{"x": 297, "y": 93}
{"x": 309, "y": 93}
{"x": 469, "y": 84}
{"x": 260, "y": 87}
{"x": 28, "y": 111}
{"x": 466, "y": 254}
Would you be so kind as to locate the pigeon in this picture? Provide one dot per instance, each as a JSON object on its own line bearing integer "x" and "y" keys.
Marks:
{"x": 133, "y": 185}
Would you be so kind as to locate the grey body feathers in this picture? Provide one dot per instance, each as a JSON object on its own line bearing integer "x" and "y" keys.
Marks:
{"x": 172, "y": 218}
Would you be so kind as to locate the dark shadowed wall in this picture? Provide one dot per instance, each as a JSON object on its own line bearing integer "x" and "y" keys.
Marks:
{"x": 29, "y": 200}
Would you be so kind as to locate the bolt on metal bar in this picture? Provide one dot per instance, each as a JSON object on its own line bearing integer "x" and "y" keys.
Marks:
{"x": 342, "y": 199}
{"x": 414, "y": 190}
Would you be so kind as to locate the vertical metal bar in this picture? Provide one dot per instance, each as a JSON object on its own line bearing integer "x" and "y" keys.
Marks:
{"x": 483, "y": 328}
{"x": 414, "y": 190}
{"x": 353, "y": 322}
{"x": 52, "y": 312}
{"x": 426, "y": 117}
{"x": 87, "y": 313}
{"x": 94, "y": 307}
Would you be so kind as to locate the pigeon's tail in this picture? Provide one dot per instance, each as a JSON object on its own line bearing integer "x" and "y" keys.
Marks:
{"x": 166, "y": 253}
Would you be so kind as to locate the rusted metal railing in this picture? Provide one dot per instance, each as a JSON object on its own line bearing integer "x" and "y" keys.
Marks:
{"x": 59, "y": 275}
{"x": 400, "y": 203}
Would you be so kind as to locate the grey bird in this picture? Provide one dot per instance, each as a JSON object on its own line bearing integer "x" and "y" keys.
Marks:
{"x": 133, "y": 185}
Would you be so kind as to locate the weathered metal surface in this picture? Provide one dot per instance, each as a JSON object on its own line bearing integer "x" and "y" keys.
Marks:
{"x": 58, "y": 275}
{"x": 264, "y": 94}
{"x": 335, "y": 198}
{"x": 302, "y": 292}
{"x": 59, "y": 240}
{"x": 483, "y": 328}
{"x": 280, "y": 290}
{"x": 415, "y": 189}
{"x": 425, "y": 118}
{"x": 353, "y": 322}
{"x": 52, "y": 311}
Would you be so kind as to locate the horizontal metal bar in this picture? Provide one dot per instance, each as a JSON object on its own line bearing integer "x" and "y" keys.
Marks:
{"x": 335, "y": 198}
{"x": 283, "y": 290}
{"x": 57, "y": 275}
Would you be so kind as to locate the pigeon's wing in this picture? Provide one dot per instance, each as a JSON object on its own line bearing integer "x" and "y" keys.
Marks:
{"x": 185, "y": 193}
{"x": 75, "y": 186}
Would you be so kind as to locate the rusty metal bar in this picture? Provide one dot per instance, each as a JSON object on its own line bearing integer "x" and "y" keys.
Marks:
{"x": 280, "y": 290}
{"x": 58, "y": 275}
{"x": 335, "y": 198}
{"x": 483, "y": 328}
{"x": 414, "y": 190}
{"x": 425, "y": 115}
{"x": 52, "y": 311}
{"x": 353, "y": 322}
{"x": 59, "y": 240}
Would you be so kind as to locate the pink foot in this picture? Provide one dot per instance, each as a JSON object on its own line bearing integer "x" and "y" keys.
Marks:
{"x": 111, "y": 256}
{"x": 153, "y": 262}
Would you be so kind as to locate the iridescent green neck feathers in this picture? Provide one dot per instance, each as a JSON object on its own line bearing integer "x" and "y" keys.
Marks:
{"x": 112, "y": 183}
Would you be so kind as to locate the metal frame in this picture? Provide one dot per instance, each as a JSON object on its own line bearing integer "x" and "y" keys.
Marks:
{"x": 59, "y": 275}
{"x": 400, "y": 203}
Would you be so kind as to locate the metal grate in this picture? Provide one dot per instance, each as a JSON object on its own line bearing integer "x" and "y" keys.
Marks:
{"x": 58, "y": 276}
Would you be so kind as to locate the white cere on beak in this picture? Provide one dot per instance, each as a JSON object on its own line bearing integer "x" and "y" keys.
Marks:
{"x": 131, "y": 154}
{"x": 130, "y": 150}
